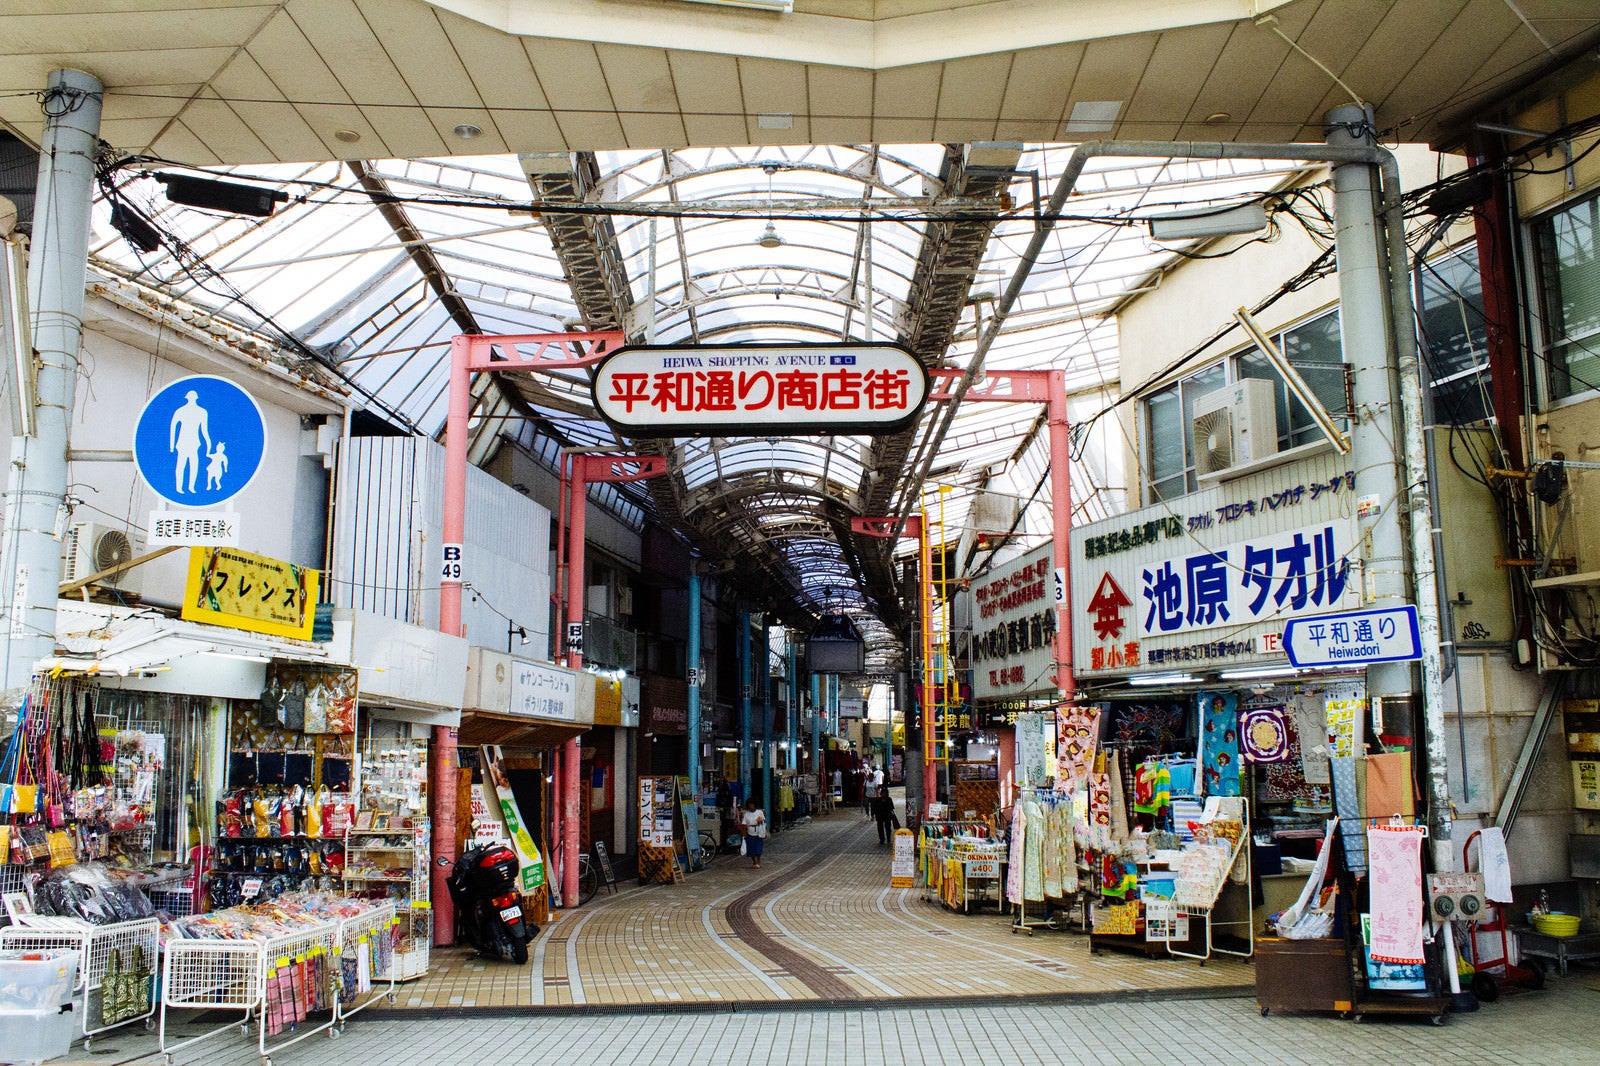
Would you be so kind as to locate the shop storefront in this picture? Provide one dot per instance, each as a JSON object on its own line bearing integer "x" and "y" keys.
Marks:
{"x": 516, "y": 717}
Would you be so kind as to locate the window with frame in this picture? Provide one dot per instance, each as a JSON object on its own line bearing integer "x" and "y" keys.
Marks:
{"x": 1454, "y": 335}
{"x": 1567, "y": 252}
{"x": 1312, "y": 348}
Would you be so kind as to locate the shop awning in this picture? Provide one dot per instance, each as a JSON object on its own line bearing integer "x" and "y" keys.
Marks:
{"x": 511, "y": 732}
{"x": 138, "y": 648}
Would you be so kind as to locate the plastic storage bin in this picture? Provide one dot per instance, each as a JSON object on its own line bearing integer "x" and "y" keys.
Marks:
{"x": 31, "y": 1036}
{"x": 36, "y": 981}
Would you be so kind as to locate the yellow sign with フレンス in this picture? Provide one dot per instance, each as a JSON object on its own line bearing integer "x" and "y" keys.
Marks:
{"x": 242, "y": 590}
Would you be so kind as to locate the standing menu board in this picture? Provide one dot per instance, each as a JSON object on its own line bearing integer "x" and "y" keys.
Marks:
{"x": 656, "y": 795}
{"x": 658, "y": 860}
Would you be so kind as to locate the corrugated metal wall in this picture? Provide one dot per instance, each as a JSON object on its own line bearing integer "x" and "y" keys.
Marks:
{"x": 390, "y": 529}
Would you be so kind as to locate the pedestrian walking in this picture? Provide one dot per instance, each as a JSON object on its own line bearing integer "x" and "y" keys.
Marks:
{"x": 753, "y": 823}
{"x": 883, "y": 812}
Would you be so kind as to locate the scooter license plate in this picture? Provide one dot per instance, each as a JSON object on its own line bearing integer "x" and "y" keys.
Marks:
{"x": 510, "y": 913}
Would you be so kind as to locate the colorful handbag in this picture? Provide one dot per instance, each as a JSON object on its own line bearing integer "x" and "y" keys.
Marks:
{"x": 61, "y": 850}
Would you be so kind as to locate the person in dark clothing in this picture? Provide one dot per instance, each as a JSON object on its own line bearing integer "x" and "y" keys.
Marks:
{"x": 883, "y": 811}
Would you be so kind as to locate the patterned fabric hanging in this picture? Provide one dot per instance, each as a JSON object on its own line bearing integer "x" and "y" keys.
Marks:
{"x": 1220, "y": 742}
{"x": 1033, "y": 852}
{"x": 1077, "y": 737}
{"x": 1263, "y": 734}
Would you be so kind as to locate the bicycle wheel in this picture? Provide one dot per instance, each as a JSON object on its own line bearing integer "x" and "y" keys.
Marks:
{"x": 588, "y": 881}
{"x": 708, "y": 849}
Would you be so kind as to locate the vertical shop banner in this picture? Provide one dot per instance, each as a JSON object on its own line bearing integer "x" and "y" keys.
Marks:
{"x": 511, "y": 815}
{"x": 242, "y": 590}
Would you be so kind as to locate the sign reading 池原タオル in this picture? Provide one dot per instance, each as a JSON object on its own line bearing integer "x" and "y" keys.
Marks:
{"x": 755, "y": 388}
{"x": 1210, "y": 579}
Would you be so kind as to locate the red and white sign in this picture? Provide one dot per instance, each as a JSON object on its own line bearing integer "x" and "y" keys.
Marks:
{"x": 1014, "y": 628}
{"x": 698, "y": 390}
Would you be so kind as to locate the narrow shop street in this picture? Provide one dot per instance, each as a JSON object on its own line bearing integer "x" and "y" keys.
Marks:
{"x": 817, "y": 922}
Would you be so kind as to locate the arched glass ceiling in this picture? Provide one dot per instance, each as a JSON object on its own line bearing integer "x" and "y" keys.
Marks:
{"x": 378, "y": 290}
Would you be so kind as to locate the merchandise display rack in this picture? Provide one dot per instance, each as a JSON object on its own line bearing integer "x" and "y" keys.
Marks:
{"x": 407, "y": 847}
{"x": 960, "y": 875}
{"x": 102, "y": 950}
{"x": 243, "y": 974}
{"x": 1197, "y": 897}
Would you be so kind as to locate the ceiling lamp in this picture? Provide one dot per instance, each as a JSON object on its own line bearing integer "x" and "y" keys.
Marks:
{"x": 769, "y": 237}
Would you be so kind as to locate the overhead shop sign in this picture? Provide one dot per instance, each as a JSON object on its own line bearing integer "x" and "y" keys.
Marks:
{"x": 1212, "y": 578}
{"x": 757, "y": 389}
{"x": 241, "y": 590}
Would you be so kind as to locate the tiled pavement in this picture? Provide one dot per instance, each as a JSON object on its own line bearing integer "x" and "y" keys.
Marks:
{"x": 817, "y": 922}
{"x": 662, "y": 974}
{"x": 1549, "y": 1028}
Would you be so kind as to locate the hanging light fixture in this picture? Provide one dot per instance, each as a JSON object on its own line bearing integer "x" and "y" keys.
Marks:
{"x": 769, "y": 237}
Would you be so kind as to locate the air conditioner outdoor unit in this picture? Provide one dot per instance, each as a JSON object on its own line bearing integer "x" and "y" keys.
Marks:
{"x": 92, "y": 547}
{"x": 1234, "y": 425}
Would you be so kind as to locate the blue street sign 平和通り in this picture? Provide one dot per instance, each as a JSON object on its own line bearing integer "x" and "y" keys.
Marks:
{"x": 1354, "y": 638}
{"x": 199, "y": 441}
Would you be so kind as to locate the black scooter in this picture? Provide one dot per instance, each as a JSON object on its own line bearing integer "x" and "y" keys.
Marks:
{"x": 483, "y": 887}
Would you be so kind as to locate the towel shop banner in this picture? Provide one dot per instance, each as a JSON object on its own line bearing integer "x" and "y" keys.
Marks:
{"x": 1176, "y": 595}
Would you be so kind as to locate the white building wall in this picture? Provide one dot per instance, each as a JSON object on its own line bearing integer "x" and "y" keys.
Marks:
{"x": 126, "y": 359}
{"x": 1197, "y": 299}
{"x": 392, "y": 528}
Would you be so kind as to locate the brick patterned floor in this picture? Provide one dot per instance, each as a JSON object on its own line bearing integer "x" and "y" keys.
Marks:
{"x": 818, "y": 922}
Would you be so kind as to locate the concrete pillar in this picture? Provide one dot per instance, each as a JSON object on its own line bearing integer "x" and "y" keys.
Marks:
{"x": 1374, "y": 431}
{"x": 744, "y": 703}
{"x": 57, "y": 270}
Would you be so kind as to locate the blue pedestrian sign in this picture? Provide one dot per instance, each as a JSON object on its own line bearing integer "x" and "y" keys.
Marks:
{"x": 199, "y": 441}
{"x": 1354, "y": 638}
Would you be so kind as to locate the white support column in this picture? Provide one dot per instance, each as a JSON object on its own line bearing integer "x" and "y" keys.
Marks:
{"x": 57, "y": 270}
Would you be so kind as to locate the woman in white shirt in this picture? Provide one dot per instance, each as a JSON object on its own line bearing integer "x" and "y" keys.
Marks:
{"x": 753, "y": 822}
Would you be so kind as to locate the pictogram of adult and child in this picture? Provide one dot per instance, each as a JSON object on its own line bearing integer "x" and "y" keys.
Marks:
{"x": 190, "y": 437}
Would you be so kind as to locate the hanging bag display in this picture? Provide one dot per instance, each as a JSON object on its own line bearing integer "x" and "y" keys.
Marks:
{"x": 61, "y": 850}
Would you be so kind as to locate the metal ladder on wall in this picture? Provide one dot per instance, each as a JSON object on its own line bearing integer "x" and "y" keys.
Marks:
{"x": 937, "y": 677}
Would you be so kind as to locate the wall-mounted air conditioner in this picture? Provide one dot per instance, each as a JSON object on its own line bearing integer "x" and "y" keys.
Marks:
{"x": 91, "y": 547}
{"x": 1234, "y": 425}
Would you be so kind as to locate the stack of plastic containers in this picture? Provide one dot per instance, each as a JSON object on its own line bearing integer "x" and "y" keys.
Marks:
{"x": 36, "y": 1021}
